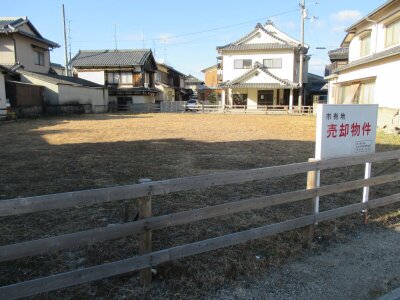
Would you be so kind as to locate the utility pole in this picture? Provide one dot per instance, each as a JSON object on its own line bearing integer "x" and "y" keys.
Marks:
{"x": 115, "y": 36}
{"x": 65, "y": 42}
{"x": 69, "y": 39}
{"x": 303, "y": 17}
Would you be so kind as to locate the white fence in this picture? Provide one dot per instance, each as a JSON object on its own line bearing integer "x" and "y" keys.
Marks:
{"x": 181, "y": 106}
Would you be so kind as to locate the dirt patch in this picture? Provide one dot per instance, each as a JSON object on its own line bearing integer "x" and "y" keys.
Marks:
{"x": 64, "y": 154}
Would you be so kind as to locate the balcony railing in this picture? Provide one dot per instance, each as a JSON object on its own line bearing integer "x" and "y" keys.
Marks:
{"x": 333, "y": 66}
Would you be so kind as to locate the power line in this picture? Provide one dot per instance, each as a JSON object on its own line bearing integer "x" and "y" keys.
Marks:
{"x": 162, "y": 39}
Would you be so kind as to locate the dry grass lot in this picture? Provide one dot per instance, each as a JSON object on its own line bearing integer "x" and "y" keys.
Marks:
{"x": 73, "y": 153}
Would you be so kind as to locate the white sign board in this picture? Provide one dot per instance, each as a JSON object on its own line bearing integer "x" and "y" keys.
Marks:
{"x": 345, "y": 130}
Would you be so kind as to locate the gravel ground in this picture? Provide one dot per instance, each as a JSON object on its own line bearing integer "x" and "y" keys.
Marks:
{"x": 365, "y": 267}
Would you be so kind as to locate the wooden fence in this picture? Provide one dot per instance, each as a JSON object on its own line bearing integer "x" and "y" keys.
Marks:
{"x": 180, "y": 106}
{"x": 146, "y": 223}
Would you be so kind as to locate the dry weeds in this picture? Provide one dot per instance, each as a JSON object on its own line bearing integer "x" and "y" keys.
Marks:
{"x": 73, "y": 153}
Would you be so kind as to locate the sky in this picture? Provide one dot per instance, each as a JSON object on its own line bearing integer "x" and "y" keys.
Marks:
{"x": 185, "y": 34}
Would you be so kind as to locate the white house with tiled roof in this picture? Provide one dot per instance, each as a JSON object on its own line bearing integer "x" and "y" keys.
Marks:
{"x": 262, "y": 68}
{"x": 371, "y": 74}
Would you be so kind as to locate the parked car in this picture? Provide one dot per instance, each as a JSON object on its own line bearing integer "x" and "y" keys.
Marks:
{"x": 191, "y": 105}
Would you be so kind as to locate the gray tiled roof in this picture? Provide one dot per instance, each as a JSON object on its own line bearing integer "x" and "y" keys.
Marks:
{"x": 55, "y": 65}
{"x": 110, "y": 58}
{"x": 280, "y": 44}
{"x": 371, "y": 58}
{"x": 6, "y": 70}
{"x": 13, "y": 21}
{"x": 10, "y": 25}
{"x": 171, "y": 68}
{"x": 256, "y": 86}
{"x": 192, "y": 79}
{"x": 59, "y": 79}
{"x": 339, "y": 53}
{"x": 265, "y": 46}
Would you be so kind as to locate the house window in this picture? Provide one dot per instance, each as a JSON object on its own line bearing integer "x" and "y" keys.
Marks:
{"x": 126, "y": 78}
{"x": 275, "y": 63}
{"x": 243, "y": 63}
{"x": 113, "y": 78}
{"x": 365, "y": 45}
{"x": 392, "y": 33}
{"x": 38, "y": 58}
{"x": 357, "y": 93}
{"x": 239, "y": 99}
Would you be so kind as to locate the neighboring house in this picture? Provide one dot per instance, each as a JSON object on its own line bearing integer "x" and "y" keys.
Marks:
{"x": 371, "y": 75}
{"x": 194, "y": 84}
{"x": 316, "y": 89}
{"x": 212, "y": 79}
{"x": 3, "y": 99}
{"x": 262, "y": 68}
{"x": 57, "y": 68}
{"x": 64, "y": 90}
{"x": 22, "y": 44}
{"x": 170, "y": 82}
{"x": 338, "y": 57}
{"x": 128, "y": 74}
{"x": 24, "y": 50}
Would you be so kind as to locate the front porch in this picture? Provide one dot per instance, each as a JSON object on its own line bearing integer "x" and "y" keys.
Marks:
{"x": 260, "y": 98}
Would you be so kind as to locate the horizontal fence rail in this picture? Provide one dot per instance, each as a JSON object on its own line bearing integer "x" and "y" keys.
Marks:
{"x": 102, "y": 195}
{"x": 181, "y": 106}
{"x": 80, "y": 276}
{"x": 144, "y": 226}
{"x": 60, "y": 242}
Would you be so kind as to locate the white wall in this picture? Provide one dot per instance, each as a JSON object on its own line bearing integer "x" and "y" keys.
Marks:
{"x": 385, "y": 84}
{"x": 50, "y": 89}
{"x": 377, "y": 28}
{"x": 7, "y": 55}
{"x": 83, "y": 95}
{"x": 93, "y": 76}
{"x": 286, "y": 72}
{"x": 2, "y": 95}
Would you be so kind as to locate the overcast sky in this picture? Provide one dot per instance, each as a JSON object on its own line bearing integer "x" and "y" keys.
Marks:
{"x": 186, "y": 33}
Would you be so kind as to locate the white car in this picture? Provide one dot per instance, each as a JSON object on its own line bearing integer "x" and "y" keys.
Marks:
{"x": 191, "y": 105}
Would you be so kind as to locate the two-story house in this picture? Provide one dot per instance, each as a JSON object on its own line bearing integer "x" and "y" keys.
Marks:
{"x": 22, "y": 44}
{"x": 24, "y": 50}
{"x": 374, "y": 62}
{"x": 338, "y": 57}
{"x": 193, "y": 84}
{"x": 262, "y": 68}
{"x": 170, "y": 82}
{"x": 128, "y": 74}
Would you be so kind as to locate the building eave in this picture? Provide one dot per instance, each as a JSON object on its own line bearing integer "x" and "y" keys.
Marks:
{"x": 370, "y": 59}
{"x": 370, "y": 15}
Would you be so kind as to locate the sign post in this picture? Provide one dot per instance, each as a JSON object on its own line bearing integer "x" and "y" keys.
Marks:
{"x": 346, "y": 130}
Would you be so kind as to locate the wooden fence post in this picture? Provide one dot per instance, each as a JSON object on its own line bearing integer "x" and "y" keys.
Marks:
{"x": 145, "y": 245}
{"x": 311, "y": 184}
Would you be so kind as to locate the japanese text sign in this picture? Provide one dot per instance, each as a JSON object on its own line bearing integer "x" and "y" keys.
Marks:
{"x": 345, "y": 130}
